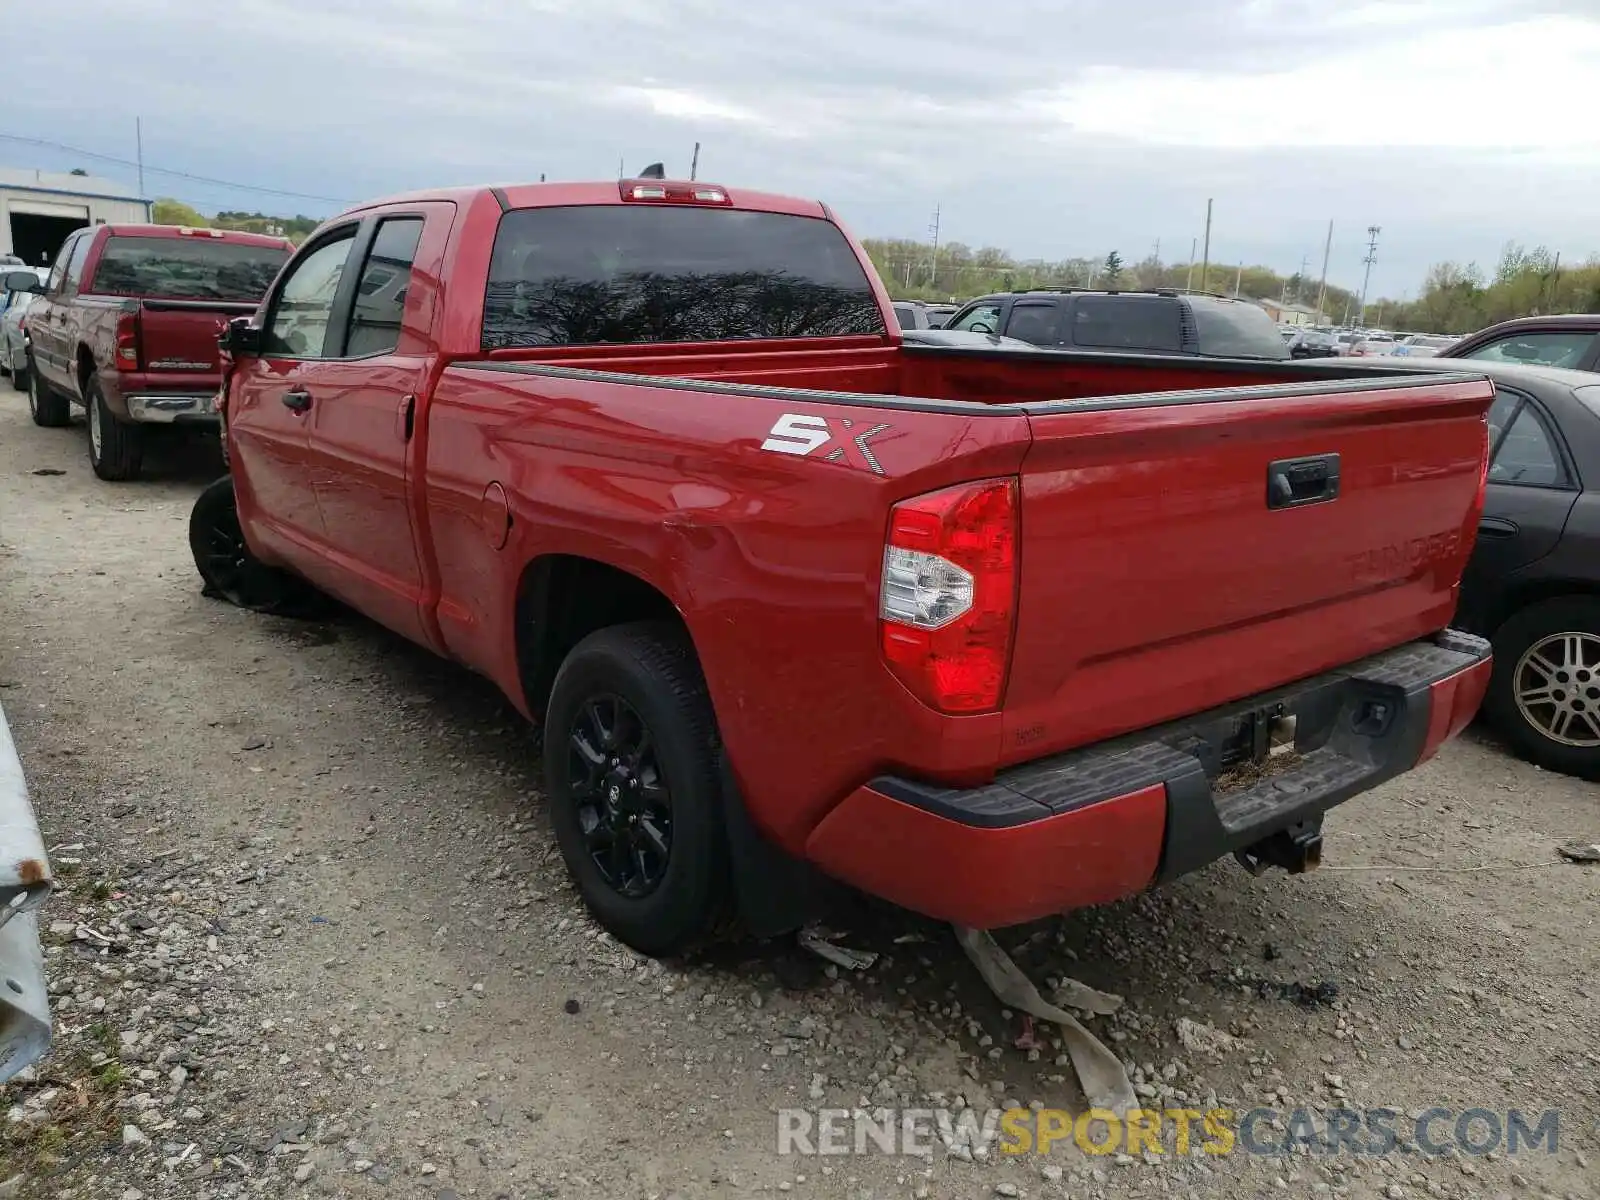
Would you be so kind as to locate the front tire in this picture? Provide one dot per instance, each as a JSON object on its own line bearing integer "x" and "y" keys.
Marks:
{"x": 116, "y": 448}
{"x": 630, "y": 760}
{"x": 1544, "y": 696}
{"x": 46, "y": 406}
{"x": 228, "y": 568}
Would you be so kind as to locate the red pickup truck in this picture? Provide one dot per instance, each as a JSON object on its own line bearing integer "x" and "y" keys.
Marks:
{"x": 127, "y": 329}
{"x": 988, "y": 633}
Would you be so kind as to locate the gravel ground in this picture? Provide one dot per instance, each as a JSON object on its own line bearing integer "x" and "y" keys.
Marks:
{"x": 313, "y": 938}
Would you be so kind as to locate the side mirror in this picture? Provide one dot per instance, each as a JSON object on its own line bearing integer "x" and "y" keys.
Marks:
{"x": 21, "y": 281}
{"x": 240, "y": 339}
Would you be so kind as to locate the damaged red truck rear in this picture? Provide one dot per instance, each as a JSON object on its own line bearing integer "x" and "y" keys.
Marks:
{"x": 989, "y": 634}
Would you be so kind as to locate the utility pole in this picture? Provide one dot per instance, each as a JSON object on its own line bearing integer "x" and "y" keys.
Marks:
{"x": 1238, "y": 280}
{"x": 620, "y": 168}
{"x": 1205, "y": 262}
{"x": 1188, "y": 284}
{"x": 933, "y": 262}
{"x": 1372, "y": 256}
{"x": 1300, "y": 278}
{"x": 694, "y": 164}
{"x": 138, "y": 142}
{"x": 1322, "y": 289}
{"x": 1555, "y": 282}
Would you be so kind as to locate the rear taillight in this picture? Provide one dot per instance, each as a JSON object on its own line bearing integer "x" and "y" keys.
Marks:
{"x": 949, "y": 590}
{"x": 127, "y": 357}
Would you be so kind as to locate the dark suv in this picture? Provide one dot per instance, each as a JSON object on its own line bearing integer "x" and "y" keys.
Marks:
{"x": 1158, "y": 322}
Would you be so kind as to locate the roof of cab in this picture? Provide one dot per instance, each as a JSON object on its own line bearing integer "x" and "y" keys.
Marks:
{"x": 237, "y": 237}
{"x": 554, "y": 195}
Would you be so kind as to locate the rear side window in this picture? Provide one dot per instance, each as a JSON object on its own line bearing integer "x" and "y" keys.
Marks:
{"x": 1524, "y": 452}
{"x": 1231, "y": 329}
{"x": 186, "y": 268}
{"x": 380, "y": 301}
{"x": 636, "y": 273}
{"x": 1129, "y": 323}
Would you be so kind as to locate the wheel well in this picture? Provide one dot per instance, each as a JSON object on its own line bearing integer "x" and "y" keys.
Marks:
{"x": 562, "y": 599}
{"x": 1537, "y": 593}
{"x": 86, "y": 369}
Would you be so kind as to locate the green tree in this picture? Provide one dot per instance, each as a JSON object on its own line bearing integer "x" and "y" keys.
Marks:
{"x": 1111, "y": 271}
{"x": 167, "y": 211}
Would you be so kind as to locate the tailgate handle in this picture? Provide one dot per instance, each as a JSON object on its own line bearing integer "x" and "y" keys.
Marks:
{"x": 1292, "y": 482}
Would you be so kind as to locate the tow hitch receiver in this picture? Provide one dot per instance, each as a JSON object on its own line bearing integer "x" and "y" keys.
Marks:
{"x": 1297, "y": 849}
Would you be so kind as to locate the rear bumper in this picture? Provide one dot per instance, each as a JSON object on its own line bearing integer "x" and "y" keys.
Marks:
{"x": 166, "y": 408}
{"x": 1107, "y": 821}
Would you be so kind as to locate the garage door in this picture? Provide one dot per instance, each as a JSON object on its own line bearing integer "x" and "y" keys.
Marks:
{"x": 44, "y": 208}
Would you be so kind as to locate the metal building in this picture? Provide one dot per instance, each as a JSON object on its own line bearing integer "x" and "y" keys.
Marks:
{"x": 38, "y": 209}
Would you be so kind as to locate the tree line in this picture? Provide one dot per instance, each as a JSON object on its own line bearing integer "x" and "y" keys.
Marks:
{"x": 167, "y": 211}
{"x": 912, "y": 271}
{"x": 1456, "y": 298}
{"x": 1462, "y": 298}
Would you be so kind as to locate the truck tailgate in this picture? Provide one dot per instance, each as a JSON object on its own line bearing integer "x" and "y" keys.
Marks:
{"x": 181, "y": 335}
{"x": 1182, "y": 550}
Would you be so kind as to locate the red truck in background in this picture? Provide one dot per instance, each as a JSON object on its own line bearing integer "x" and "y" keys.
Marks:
{"x": 127, "y": 324}
{"x": 988, "y": 633}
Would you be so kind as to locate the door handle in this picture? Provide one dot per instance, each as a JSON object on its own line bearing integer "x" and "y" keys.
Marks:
{"x": 1292, "y": 482}
{"x": 1497, "y": 527}
{"x": 297, "y": 400}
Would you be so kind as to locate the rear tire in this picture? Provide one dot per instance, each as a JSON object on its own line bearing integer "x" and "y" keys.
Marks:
{"x": 46, "y": 406}
{"x": 1544, "y": 696}
{"x": 606, "y": 791}
{"x": 231, "y": 572}
{"x": 116, "y": 448}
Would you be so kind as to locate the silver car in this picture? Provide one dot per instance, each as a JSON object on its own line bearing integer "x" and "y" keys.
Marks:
{"x": 12, "y": 306}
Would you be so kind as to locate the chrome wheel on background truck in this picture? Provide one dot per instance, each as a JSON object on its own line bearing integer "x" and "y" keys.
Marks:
{"x": 46, "y": 406}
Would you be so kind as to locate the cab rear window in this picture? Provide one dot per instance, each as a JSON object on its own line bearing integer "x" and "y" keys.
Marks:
{"x": 182, "y": 268}
{"x": 633, "y": 273}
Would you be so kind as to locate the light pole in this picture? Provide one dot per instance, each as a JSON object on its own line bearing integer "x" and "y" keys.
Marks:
{"x": 1366, "y": 278}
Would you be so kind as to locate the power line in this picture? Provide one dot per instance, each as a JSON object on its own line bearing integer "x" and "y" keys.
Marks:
{"x": 123, "y": 162}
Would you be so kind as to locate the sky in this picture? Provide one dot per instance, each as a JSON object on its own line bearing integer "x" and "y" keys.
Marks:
{"x": 1049, "y": 128}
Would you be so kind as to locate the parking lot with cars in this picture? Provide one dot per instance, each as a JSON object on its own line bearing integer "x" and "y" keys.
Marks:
{"x": 313, "y": 937}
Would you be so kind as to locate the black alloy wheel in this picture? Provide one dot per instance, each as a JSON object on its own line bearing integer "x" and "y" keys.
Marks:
{"x": 624, "y": 805}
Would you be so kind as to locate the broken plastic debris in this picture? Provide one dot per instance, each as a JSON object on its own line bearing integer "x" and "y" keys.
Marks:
{"x": 815, "y": 939}
{"x": 1100, "y": 1072}
{"x": 1199, "y": 1038}
{"x": 1580, "y": 852}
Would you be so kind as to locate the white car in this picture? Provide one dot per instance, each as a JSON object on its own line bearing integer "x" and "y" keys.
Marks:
{"x": 12, "y": 306}
{"x": 1422, "y": 345}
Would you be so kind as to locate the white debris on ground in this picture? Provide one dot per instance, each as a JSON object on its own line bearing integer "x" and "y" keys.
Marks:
{"x": 1100, "y": 1072}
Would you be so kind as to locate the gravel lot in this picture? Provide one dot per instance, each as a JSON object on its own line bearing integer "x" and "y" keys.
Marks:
{"x": 314, "y": 938}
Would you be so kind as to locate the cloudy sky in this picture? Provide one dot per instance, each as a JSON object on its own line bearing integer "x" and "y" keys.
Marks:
{"x": 1052, "y": 128}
